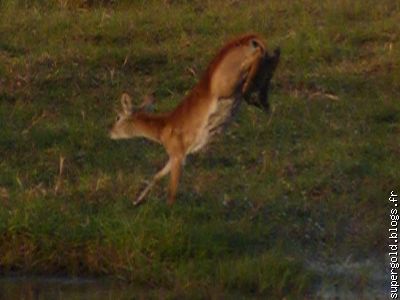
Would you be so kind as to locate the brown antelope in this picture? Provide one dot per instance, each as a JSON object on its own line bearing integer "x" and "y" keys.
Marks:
{"x": 204, "y": 111}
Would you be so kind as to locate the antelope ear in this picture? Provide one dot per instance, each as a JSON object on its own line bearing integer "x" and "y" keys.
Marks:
{"x": 126, "y": 102}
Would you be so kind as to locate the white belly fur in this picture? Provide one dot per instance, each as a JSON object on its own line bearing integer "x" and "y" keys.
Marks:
{"x": 219, "y": 116}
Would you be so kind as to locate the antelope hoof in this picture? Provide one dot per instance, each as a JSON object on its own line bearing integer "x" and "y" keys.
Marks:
{"x": 138, "y": 201}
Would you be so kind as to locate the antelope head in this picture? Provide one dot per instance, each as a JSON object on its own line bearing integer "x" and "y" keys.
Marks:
{"x": 128, "y": 123}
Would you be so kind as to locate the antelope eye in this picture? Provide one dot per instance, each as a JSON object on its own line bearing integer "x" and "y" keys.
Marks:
{"x": 117, "y": 118}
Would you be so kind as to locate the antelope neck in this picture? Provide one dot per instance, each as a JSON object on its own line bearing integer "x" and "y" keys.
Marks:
{"x": 150, "y": 126}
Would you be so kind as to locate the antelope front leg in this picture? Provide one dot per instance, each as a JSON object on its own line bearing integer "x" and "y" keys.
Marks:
{"x": 176, "y": 169}
{"x": 164, "y": 171}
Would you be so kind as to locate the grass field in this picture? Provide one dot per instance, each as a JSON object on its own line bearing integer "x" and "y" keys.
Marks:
{"x": 266, "y": 211}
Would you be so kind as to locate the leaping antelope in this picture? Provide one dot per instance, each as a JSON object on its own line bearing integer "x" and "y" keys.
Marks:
{"x": 240, "y": 68}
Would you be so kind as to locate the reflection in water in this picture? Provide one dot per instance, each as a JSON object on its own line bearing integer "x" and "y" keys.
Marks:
{"x": 32, "y": 288}
{"x": 347, "y": 280}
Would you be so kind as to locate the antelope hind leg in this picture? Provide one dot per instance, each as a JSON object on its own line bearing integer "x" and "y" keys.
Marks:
{"x": 176, "y": 169}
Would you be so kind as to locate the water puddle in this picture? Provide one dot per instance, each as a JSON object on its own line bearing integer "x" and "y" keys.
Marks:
{"x": 351, "y": 280}
{"x": 37, "y": 287}
{"x": 345, "y": 280}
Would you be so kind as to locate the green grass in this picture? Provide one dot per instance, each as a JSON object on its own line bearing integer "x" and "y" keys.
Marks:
{"x": 306, "y": 183}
